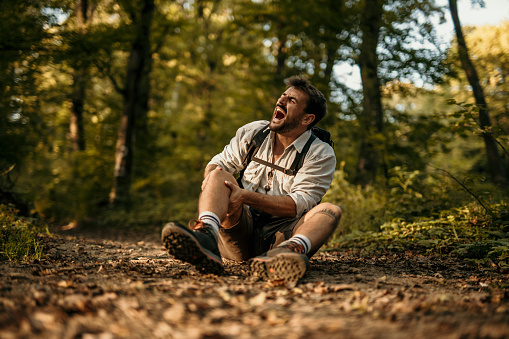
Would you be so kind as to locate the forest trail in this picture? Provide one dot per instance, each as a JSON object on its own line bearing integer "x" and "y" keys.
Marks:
{"x": 96, "y": 288}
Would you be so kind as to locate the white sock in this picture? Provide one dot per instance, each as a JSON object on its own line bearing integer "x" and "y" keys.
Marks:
{"x": 301, "y": 240}
{"x": 211, "y": 219}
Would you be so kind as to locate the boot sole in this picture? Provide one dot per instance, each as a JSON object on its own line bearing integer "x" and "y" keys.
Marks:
{"x": 183, "y": 246}
{"x": 288, "y": 268}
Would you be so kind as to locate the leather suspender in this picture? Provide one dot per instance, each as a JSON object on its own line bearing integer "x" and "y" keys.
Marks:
{"x": 257, "y": 142}
{"x": 297, "y": 162}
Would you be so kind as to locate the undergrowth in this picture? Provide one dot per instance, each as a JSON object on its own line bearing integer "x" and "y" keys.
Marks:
{"x": 18, "y": 236}
{"x": 419, "y": 213}
{"x": 460, "y": 232}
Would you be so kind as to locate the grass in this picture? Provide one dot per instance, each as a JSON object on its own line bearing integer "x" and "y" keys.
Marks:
{"x": 18, "y": 236}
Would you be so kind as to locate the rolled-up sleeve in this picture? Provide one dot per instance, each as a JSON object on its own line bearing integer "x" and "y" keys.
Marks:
{"x": 313, "y": 179}
{"x": 232, "y": 156}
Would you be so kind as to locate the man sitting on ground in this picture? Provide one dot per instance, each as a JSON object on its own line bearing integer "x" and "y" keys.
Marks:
{"x": 274, "y": 219}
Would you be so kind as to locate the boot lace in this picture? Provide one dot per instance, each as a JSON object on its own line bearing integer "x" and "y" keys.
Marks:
{"x": 197, "y": 225}
{"x": 295, "y": 247}
{"x": 200, "y": 226}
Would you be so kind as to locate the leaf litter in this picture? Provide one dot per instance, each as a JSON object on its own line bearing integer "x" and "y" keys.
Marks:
{"x": 98, "y": 288}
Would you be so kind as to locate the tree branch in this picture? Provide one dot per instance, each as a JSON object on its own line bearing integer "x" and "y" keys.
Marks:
{"x": 464, "y": 187}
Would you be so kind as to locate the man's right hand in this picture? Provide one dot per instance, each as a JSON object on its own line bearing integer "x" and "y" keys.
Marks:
{"x": 236, "y": 197}
{"x": 281, "y": 206}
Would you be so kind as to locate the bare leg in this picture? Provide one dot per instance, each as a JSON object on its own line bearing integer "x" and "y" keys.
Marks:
{"x": 199, "y": 246}
{"x": 287, "y": 262}
{"x": 319, "y": 224}
{"x": 215, "y": 197}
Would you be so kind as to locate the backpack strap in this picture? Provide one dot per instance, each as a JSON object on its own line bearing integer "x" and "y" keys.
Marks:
{"x": 299, "y": 157}
{"x": 252, "y": 149}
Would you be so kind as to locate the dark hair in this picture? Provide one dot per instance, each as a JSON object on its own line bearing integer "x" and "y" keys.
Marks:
{"x": 316, "y": 104}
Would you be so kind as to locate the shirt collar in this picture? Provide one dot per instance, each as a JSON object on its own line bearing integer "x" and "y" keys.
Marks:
{"x": 298, "y": 143}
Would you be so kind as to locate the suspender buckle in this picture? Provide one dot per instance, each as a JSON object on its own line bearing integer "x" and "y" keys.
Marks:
{"x": 289, "y": 171}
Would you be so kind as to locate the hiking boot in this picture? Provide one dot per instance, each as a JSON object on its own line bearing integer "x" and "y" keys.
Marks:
{"x": 196, "y": 245}
{"x": 285, "y": 263}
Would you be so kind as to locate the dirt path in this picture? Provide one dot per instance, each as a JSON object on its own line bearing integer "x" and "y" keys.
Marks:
{"x": 121, "y": 289}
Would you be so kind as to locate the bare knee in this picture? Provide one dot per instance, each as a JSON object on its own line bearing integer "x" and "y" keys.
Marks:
{"x": 329, "y": 209}
{"x": 221, "y": 175}
{"x": 335, "y": 208}
{"x": 217, "y": 178}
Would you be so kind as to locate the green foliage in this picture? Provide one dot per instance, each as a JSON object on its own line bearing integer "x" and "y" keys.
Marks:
{"x": 415, "y": 193}
{"x": 408, "y": 195}
{"x": 217, "y": 65}
{"x": 424, "y": 213}
{"x": 23, "y": 31}
{"x": 74, "y": 189}
{"x": 463, "y": 232}
{"x": 466, "y": 120}
{"x": 363, "y": 207}
{"x": 18, "y": 236}
{"x": 488, "y": 48}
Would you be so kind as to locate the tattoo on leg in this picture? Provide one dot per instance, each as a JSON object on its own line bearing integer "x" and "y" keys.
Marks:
{"x": 329, "y": 213}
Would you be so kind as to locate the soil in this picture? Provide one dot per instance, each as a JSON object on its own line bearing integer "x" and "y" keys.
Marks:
{"x": 90, "y": 287}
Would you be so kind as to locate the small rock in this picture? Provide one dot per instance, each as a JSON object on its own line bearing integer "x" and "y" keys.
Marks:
{"x": 175, "y": 313}
{"x": 258, "y": 300}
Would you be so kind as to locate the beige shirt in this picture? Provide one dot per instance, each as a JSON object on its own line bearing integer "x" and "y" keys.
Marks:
{"x": 306, "y": 188}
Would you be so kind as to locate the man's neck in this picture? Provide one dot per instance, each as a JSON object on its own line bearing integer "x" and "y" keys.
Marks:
{"x": 282, "y": 141}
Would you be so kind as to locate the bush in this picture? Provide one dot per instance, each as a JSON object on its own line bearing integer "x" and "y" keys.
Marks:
{"x": 408, "y": 195}
{"x": 363, "y": 207}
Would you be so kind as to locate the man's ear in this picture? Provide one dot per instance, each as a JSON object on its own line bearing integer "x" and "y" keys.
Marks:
{"x": 308, "y": 119}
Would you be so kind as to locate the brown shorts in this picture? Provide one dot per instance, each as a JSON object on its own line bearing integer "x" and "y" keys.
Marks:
{"x": 255, "y": 233}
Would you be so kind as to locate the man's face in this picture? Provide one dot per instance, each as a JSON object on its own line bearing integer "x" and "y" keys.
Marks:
{"x": 289, "y": 110}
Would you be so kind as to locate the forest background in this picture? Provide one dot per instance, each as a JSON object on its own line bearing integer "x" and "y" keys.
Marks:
{"x": 110, "y": 110}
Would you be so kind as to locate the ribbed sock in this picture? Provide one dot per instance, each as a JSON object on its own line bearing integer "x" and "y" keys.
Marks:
{"x": 211, "y": 219}
{"x": 299, "y": 239}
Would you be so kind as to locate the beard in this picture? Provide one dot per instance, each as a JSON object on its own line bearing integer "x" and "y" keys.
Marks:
{"x": 287, "y": 125}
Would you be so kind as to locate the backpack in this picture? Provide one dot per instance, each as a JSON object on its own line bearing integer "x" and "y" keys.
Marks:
{"x": 260, "y": 136}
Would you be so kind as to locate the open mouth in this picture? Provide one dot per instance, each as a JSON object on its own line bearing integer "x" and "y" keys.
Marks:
{"x": 280, "y": 112}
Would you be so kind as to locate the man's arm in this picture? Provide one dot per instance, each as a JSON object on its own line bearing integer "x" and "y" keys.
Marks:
{"x": 232, "y": 157}
{"x": 313, "y": 179}
{"x": 281, "y": 206}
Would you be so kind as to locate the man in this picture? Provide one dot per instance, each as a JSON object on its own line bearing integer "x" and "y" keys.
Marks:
{"x": 274, "y": 219}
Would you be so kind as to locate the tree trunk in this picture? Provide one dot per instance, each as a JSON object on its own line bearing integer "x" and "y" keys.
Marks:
{"x": 331, "y": 58}
{"x": 371, "y": 121}
{"x": 136, "y": 96}
{"x": 496, "y": 168}
{"x": 83, "y": 17}
{"x": 281, "y": 56}
{"x": 76, "y": 128}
